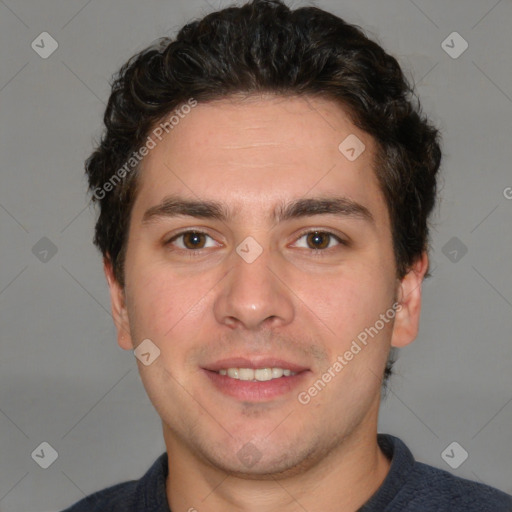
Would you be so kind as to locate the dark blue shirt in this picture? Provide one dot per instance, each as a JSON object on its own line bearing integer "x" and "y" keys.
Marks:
{"x": 409, "y": 486}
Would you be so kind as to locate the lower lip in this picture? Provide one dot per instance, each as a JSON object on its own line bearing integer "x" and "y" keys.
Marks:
{"x": 250, "y": 391}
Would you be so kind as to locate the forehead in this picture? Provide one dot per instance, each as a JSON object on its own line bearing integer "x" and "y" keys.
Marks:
{"x": 259, "y": 151}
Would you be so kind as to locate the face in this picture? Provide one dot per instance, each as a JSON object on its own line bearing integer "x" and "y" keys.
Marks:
{"x": 282, "y": 263}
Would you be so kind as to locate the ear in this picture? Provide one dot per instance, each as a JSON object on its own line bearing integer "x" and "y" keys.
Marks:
{"x": 118, "y": 304}
{"x": 407, "y": 319}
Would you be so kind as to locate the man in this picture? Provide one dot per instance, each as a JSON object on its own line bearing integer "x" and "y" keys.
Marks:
{"x": 264, "y": 184}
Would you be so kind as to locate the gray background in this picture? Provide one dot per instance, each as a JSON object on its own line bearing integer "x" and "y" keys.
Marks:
{"x": 63, "y": 378}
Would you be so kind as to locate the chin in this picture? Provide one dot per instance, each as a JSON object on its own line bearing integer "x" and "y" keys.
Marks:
{"x": 255, "y": 462}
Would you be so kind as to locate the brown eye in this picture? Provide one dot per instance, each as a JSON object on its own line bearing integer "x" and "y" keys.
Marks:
{"x": 193, "y": 240}
{"x": 319, "y": 242}
{"x": 318, "y": 239}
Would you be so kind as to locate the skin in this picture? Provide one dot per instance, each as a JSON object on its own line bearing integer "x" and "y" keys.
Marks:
{"x": 252, "y": 154}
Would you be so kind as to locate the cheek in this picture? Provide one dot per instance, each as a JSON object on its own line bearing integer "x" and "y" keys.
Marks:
{"x": 349, "y": 301}
{"x": 163, "y": 305}
{"x": 153, "y": 301}
{"x": 347, "y": 310}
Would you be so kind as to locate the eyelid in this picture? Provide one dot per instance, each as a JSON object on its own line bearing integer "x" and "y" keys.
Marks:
{"x": 324, "y": 231}
{"x": 339, "y": 238}
{"x": 174, "y": 236}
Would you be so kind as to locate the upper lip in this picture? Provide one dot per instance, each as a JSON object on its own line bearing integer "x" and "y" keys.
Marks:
{"x": 254, "y": 363}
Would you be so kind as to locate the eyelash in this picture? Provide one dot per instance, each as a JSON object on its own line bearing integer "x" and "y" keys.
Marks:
{"x": 313, "y": 252}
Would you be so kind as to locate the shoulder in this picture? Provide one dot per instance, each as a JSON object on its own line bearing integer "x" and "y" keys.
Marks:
{"x": 444, "y": 491}
{"x": 413, "y": 486}
{"x": 118, "y": 498}
{"x": 148, "y": 493}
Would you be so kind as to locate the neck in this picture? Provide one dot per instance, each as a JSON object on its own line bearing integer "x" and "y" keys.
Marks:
{"x": 343, "y": 480}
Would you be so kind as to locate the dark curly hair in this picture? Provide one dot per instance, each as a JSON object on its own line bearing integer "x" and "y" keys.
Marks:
{"x": 265, "y": 47}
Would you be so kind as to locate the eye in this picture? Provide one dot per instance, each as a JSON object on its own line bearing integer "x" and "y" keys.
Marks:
{"x": 191, "y": 240}
{"x": 319, "y": 240}
{"x": 314, "y": 240}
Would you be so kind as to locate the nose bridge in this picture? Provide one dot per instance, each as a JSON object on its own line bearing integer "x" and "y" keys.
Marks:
{"x": 252, "y": 294}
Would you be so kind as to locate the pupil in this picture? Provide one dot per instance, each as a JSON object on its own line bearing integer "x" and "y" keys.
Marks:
{"x": 316, "y": 238}
{"x": 192, "y": 240}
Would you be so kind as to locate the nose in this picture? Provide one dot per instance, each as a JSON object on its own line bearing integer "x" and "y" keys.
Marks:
{"x": 254, "y": 295}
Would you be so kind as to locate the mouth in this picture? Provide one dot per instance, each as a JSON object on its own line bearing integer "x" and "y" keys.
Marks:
{"x": 256, "y": 375}
{"x": 255, "y": 380}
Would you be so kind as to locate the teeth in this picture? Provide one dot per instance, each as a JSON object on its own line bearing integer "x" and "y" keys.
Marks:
{"x": 233, "y": 373}
{"x": 260, "y": 374}
{"x": 246, "y": 373}
{"x": 263, "y": 374}
{"x": 278, "y": 372}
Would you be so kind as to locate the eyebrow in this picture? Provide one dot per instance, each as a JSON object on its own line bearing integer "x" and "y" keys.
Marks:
{"x": 174, "y": 206}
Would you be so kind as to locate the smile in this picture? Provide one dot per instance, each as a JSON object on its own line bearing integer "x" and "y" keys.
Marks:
{"x": 256, "y": 374}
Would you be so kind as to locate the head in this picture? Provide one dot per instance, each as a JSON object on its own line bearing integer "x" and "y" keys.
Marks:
{"x": 236, "y": 129}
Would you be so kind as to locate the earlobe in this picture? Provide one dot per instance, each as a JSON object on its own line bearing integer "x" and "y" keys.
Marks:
{"x": 118, "y": 305}
{"x": 407, "y": 318}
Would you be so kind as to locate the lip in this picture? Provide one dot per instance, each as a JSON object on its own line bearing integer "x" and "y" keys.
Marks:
{"x": 260, "y": 391}
{"x": 254, "y": 363}
{"x": 248, "y": 391}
